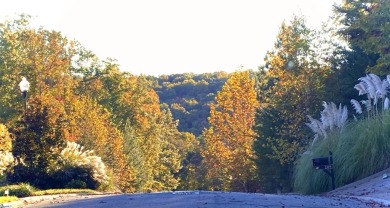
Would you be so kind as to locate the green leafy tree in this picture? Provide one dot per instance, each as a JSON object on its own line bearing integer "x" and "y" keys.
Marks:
{"x": 367, "y": 25}
{"x": 291, "y": 86}
{"x": 347, "y": 67}
{"x": 189, "y": 97}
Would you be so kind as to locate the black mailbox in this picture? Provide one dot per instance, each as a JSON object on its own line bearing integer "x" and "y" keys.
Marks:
{"x": 325, "y": 164}
{"x": 322, "y": 163}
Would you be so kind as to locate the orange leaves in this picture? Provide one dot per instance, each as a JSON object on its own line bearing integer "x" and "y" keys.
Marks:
{"x": 230, "y": 135}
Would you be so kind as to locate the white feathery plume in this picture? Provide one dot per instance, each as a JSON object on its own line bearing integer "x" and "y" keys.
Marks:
{"x": 384, "y": 87}
{"x": 327, "y": 115}
{"x": 325, "y": 119}
{"x": 386, "y": 104}
{"x": 74, "y": 154}
{"x": 316, "y": 126}
{"x": 334, "y": 115}
{"x": 388, "y": 79}
{"x": 325, "y": 105}
{"x": 361, "y": 88}
{"x": 315, "y": 139}
{"x": 356, "y": 105}
{"x": 377, "y": 82}
{"x": 331, "y": 117}
{"x": 339, "y": 116}
{"x": 344, "y": 116}
{"x": 313, "y": 125}
{"x": 369, "y": 86}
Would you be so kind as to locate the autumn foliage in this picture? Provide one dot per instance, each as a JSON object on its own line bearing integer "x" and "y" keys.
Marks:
{"x": 229, "y": 139}
{"x": 135, "y": 133}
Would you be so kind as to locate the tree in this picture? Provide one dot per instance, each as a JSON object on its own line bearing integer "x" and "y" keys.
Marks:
{"x": 6, "y": 157}
{"x": 367, "y": 25}
{"x": 38, "y": 142}
{"x": 189, "y": 96}
{"x": 227, "y": 151}
{"x": 43, "y": 57}
{"x": 291, "y": 86}
{"x": 89, "y": 124}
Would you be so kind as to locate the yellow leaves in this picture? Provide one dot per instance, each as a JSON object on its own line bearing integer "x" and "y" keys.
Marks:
{"x": 5, "y": 139}
{"x": 230, "y": 135}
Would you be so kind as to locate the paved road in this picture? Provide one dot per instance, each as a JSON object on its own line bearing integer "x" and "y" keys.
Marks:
{"x": 201, "y": 199}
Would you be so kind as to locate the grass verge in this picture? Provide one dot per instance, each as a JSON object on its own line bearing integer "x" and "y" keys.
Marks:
{"x": 5, "y": 199}
{"x": 360, "y": 150}
{"x": 64, "y": 191}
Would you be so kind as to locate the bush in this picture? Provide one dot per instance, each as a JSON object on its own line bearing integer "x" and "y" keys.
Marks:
{"x": 19, "y": 190}
{"x": 83, "y": 165}
{"x": 69, "y": 175}
{"x": 360, "y": 149}
{"x": 76, "y": 184}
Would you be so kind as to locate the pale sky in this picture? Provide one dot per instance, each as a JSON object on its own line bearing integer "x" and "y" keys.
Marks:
{"x": 155, "y": 37}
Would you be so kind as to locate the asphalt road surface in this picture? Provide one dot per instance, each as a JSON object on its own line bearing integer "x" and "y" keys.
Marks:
{"x": 201, "y": 199}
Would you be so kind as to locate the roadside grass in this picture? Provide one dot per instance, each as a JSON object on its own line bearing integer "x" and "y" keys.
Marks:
{"x": 25, "y": 190}
{"x": 5, "y": 199}
{"x": 64, "y": 191}
{"x": 361, "y": 149}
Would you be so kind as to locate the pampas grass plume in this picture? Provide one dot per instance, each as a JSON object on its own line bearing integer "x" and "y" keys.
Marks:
{"x": 356, "y": 105}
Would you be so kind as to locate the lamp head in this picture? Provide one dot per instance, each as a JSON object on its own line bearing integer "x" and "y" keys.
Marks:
{"x": 24, "y": 85}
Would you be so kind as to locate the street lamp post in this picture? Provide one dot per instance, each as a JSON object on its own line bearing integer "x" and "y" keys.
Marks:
{"x": 24, "y": 86}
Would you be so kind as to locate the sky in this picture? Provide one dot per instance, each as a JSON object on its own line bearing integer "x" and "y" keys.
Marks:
{"x": 155, "y": 37}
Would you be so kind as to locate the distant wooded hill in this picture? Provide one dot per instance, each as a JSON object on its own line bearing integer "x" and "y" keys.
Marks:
{"x": 188, "y": 96}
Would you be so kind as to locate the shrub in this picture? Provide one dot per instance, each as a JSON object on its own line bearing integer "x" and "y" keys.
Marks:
{"x": 80, "y": 165}
{"x": 19, "y": 190}
{"x": 361, "y": 148}
{"x": 76, "y": 184}
{"x": 66, "y": 174}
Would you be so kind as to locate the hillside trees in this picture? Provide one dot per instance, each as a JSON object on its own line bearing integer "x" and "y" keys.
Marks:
{"x": 95, "y": 99}
{"x": 227, "y": 151}
{"x": 147, "y": 130}
{"x": 189, "y": 96}
{"x": 291, "y": 87}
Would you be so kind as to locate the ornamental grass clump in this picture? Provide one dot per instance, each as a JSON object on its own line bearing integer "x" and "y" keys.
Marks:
{"x": 80, "y": 168}
{"x": 360, "y": 147}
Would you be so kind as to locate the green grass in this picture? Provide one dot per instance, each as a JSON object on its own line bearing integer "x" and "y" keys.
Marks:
{"x": 25, "y": 190}
{"x": 18, "y": 190}
{"x": 360, "y": 150}
{"x": 63, "y": 191}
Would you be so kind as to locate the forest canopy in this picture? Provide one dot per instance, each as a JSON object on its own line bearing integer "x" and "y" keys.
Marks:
{"x": 249, "y": 130}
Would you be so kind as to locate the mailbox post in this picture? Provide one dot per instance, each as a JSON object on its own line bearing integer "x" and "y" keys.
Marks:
{"x": 325, "y": 164}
